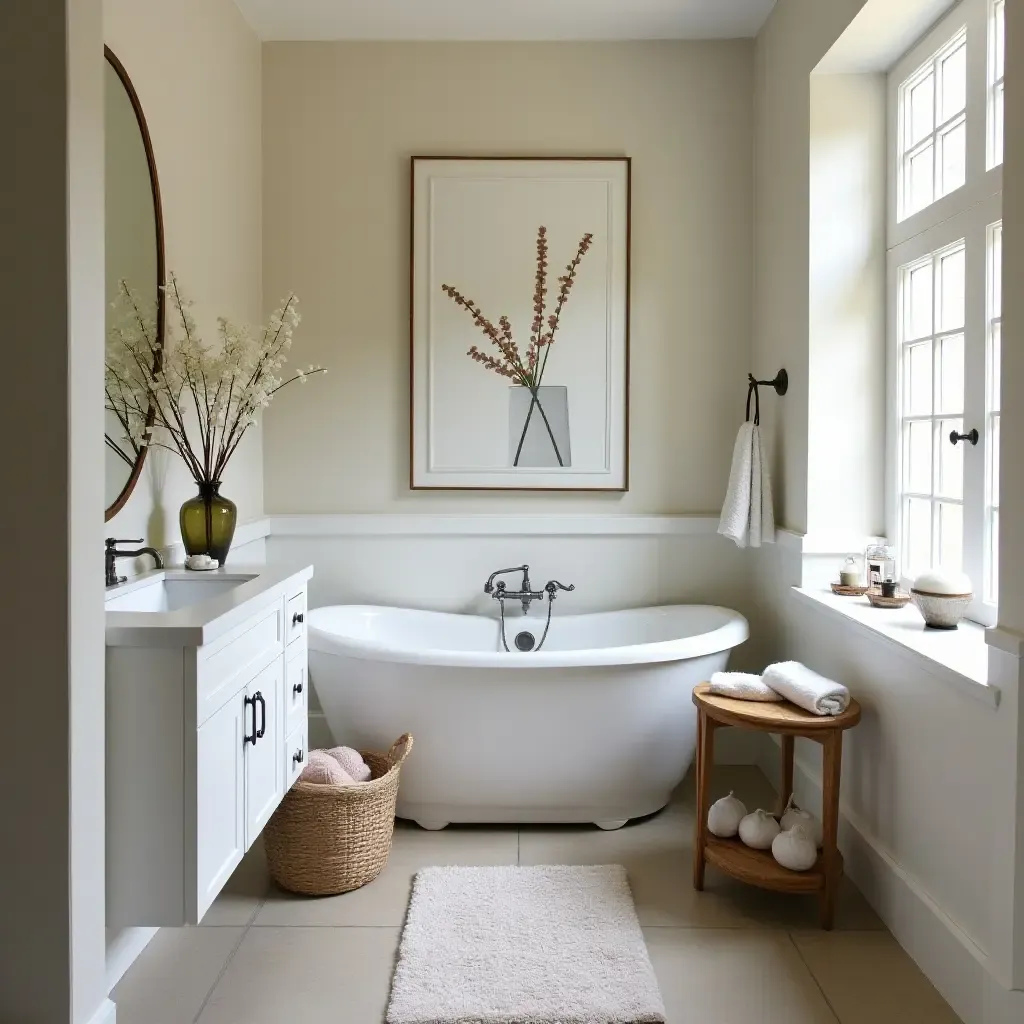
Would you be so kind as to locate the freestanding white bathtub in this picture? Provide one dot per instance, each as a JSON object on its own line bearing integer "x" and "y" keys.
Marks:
{"x": 597, "y": 726}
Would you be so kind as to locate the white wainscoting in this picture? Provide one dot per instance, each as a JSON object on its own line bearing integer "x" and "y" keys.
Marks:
{"x": 441, "y": 562}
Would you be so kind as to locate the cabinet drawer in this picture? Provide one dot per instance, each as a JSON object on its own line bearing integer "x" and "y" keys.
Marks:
{"x": 296, "y": 754}
{"x": 232, "y": 661}
{"x": 296, "y": 690}
{"x": 295, "y": 619}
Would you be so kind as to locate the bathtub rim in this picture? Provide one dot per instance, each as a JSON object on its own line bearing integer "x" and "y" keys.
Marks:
{"x": 734, "y": 631}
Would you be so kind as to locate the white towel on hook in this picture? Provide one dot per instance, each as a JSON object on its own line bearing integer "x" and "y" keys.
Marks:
{"x": 742, "y": 686}
{"x": 747, "y": 515}
{"x": 805, "y": 688}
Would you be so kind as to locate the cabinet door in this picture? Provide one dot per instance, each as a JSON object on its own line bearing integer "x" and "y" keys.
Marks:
{"x": 264, "y": 768}
{"x": 220, "y": 799}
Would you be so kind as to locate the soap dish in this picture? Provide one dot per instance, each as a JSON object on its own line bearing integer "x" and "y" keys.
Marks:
{"x": 879, "y": 601}
{"x": 844, "y": 591}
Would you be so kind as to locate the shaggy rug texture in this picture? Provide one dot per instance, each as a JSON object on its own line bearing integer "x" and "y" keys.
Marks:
{"x": 523, "y": 945}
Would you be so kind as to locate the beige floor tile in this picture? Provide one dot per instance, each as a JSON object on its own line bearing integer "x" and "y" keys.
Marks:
{"x": 728, "y": 976}
{"x": 383, "y": 902}
{"x": 341, "y": 975}
{"x": 243, "y": 895}
{"x": 174, "y": 974}
{"x": 869, "y": 979}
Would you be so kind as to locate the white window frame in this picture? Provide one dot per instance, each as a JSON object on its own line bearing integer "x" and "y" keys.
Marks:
{"x": 995, "y": 83}
{"x": 967, "y": 213}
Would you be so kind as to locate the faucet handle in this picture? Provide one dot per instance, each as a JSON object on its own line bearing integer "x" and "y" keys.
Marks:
{"x": 112, "y": 542}
{"x": 553, "y": 585}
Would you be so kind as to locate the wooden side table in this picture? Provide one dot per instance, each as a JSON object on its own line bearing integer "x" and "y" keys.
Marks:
{"x": 759, "y": 867}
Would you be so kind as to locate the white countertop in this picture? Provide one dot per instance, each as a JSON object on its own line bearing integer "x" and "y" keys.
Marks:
{"x": 199, "y": 623}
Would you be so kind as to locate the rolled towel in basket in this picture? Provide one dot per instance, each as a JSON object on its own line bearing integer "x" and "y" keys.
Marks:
{"x": 324, "y": 770}
{"x": 814, "y": 693}
{"x": 742, "y": 686}
{"x": 351, "y": 762}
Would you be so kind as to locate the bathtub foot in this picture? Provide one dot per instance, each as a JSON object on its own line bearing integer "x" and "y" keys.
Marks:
{"x": 431, "y": 825}
{"x": 611, "y": 824}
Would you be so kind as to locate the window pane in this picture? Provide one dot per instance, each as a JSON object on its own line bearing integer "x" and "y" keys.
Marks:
{"x": 951, "y": 537}
{"x": 917, "y": 457}
{"x": 994, "y": 446}
{"x": 917, "y": 536}
{"x": 995, "y": 375}
{"x": 997, "y": 124}
{"x": 953, "y": 147}
{"x": 921, "y": 179}
{"x": 996, "y": 271}
{"x": 919, "y": 306}
{"x": 949, "y": 375}
{"x": 921, "y": 112}
{"x": 999, "y": 41}
{"x": 953, "y": 72}
{"x": 950, "y": 483}
{"x": 993, "y": 558}
{"x": 918, "y": 380}
{"x": 951, "y": 291}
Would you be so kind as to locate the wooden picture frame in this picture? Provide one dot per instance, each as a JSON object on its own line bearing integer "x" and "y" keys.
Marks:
{"x": 563, "y": 423}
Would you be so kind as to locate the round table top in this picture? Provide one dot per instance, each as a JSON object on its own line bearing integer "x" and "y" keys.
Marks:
{"x": 770, "y": 716}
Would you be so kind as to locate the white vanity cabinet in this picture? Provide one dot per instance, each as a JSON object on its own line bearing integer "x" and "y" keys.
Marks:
{"x": 204, "y": 738}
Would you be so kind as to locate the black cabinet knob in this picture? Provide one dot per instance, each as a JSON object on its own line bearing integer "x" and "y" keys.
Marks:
{"x": 297, "y": 618}
{"x": 297, "y": 688}
{"x": 298, "y": 757}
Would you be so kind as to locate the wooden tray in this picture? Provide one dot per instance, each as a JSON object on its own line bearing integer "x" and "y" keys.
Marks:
{"x": 838, "y": 588}
{"x": 878, "y": 601}
{"x": 760, "y": 868}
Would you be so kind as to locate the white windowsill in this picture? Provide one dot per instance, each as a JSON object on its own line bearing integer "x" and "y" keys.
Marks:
{"x": 960, "y": 657}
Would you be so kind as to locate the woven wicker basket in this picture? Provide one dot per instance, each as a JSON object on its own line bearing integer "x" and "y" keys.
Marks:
{"x": 323, "y": 840}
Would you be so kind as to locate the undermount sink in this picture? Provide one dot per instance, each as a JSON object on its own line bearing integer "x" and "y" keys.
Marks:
{"x": 163, "y": 593}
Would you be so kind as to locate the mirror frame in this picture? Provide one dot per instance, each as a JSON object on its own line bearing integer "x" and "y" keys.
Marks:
{"x": 158, "y": 216}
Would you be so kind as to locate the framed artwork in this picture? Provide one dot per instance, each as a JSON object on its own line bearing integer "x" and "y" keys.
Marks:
{"x": 520, "y": 323}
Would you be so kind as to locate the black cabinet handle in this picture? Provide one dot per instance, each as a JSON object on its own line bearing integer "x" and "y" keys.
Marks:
{"x": 297, "y": 688}
{"x": 263, "y": 720}
{"x": 298, "y": 618}
{"x": 255, "y": 735}
{"x": 298, "y": 757}
{"x": 971, "y": 436}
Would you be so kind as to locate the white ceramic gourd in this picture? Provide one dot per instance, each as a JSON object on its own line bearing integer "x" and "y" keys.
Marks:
{"x": 794, "y": 816}
{"x": 725, "y": 816}
{"x": 759, "y": 829}
{"x": 795, "y": 849}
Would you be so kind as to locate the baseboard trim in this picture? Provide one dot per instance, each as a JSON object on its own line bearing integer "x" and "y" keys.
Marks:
{"x": 948, "y": 955}
{"x": 124, "y": 950}
{"x": 106, "y": 1014}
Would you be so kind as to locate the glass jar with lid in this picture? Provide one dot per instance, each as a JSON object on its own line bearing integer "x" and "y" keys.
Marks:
{"x": 879, "y": 563}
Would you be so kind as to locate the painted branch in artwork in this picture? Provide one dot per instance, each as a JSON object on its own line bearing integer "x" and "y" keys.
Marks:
{"x": 509, "y": 361}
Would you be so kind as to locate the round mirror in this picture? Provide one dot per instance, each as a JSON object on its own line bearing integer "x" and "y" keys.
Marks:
{"x": 135, "y": 257}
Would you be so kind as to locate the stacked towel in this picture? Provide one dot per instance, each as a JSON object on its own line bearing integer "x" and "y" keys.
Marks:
{"x": 747, "y": 516}
{"x": 324, "y": 770}
{"x": 808, "y": 690}
{"x": 352, "y": 762}
{"x": 742, "y": 686}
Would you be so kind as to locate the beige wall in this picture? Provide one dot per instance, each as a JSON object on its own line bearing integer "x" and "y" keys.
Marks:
{"x": 340, "y": 123}
{"x": 196, "y": 67}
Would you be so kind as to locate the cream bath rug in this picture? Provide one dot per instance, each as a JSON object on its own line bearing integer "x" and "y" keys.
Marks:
{"x": 523, "y": 945}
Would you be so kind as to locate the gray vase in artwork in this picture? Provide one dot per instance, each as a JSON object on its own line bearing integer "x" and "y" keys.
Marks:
{"x": 538, "y": 427}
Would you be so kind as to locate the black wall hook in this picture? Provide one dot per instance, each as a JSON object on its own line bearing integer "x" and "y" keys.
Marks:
{"x": 780, "y": 383}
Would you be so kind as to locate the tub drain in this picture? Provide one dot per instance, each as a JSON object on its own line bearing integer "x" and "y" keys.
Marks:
{"x": 525, "y": 641}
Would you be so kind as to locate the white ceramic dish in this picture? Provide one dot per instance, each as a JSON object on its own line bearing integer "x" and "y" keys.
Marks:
{"x": 941, "y": 611}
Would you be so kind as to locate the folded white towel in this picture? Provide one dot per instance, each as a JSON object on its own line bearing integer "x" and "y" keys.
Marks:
{"x": 806, "y": 689}
{"x": 742, "y": 686}
{"x": 747, "y": 515}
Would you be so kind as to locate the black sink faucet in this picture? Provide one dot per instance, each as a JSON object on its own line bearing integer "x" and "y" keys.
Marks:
{"x": 112, "y": 553}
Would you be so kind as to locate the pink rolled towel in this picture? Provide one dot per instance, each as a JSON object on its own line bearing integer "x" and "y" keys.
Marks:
{"x": 351, "y": 762}
{"x": 324, "y": 770}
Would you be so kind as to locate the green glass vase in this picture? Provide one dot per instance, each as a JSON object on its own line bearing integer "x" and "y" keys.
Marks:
{"x": 208, "y": 523}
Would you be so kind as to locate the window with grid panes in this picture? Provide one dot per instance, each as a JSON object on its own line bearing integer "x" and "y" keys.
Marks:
{"x": 945, "y": 244}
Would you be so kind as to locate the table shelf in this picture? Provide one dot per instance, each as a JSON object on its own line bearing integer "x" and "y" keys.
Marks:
{"x": 760, "y": 868}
